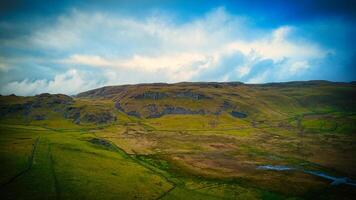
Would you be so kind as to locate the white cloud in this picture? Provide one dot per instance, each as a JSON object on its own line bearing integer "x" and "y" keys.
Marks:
{"x": 90, "y": 60}
{"x": 276, "y": 46}
{"x": 298, "y": 67}
{"x": 159, "y": 49}
{"x": 69, "y": 82}
{"x": 259, "y": 78}
{"x": 243, "y": 71}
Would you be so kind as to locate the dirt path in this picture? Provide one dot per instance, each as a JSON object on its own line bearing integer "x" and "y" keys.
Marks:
{"x": 29, "y": 165}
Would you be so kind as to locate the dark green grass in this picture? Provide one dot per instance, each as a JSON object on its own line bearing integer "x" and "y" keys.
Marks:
{"x": 68, "y": 166}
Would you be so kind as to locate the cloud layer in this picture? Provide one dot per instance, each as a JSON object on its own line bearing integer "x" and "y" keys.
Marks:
{"x": 82, "y": 50}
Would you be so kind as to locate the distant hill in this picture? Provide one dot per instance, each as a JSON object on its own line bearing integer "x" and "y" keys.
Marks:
{"x": 255, "y": 100}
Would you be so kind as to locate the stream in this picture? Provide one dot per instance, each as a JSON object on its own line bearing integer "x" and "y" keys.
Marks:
{"x": 334, "y": 180}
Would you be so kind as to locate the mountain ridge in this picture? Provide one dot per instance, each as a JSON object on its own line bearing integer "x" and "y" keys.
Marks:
{"x": 255, "y": 102}
{"x": 81, "y": 94}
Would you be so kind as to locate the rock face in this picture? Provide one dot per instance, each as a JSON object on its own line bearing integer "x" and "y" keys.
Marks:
{"x": 224, "y": 107}
{"x": 180, "y": 110}
{"x": 46, "y": 99}
{"x": 134, "y": 113}
{"x": 119, "y": 107}
{"x": 168, "y": 109}
{"x": 73, "y": 113}
{"x": 41, "y": 107}
{"x": 191, "y": 95}
{"x": 98, "y": 118}
{"x": 154, "y": 110}
{"x": 163, "y": 102}
{"x": 26, "y": 105}
{"x": 23, "y": 109}
{"x": 161, "y": 95}
{"x": 151, "y": 95}
{"x": 79, "y": 115}
{"x": 238, "y": 114}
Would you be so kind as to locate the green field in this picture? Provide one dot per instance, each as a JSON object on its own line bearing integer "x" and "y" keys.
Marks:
{"x": 180, "y": 141}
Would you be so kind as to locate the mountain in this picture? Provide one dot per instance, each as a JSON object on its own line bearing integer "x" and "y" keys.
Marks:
{"x": 276, "y": 100}
{"x": 201, "y": 140}
{"x": 273, "y": 101}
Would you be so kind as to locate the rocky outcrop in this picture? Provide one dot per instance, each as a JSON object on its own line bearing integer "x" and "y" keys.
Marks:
{"x": 153, "y": 110}
{"x": 191, "y": 95}
{"x": 180, "y": 110}
{"x": 238, "y": 114}
{"x": 167, "y": 110}
{"x": 134, "y": 113}
{"x": 119, "y": 107}
{"x": 46, "y": 99}
{"x": 98, "y": 118}
{"x": 31, "y": 106}
{"x": 224, "y": 107}
{"x": 151, "y": 95}
{"x": 131, "y": 113}
{"x": 73, "y": 113}
{"x": 161, "y": 95}
{"x": 79, "y": 115}
{"x": 22, "y": 109}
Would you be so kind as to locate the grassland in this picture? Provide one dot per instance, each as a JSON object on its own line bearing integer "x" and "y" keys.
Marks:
{"x": 66, "y": 148}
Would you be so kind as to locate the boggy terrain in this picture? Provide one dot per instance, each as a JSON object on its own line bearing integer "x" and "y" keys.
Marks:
{"x": 181, "y": 141}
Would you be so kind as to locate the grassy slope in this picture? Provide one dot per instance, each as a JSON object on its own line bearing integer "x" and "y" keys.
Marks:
{"x": 186, "y": 156}
{"x": 65, "y": 164}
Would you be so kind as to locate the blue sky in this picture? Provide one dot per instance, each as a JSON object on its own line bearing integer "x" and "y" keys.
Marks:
{"x": 73, "y": 46}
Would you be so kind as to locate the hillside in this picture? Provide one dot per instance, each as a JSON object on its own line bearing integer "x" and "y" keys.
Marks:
{"x": 265, "y": 101}
{"x": 174, "y": 141}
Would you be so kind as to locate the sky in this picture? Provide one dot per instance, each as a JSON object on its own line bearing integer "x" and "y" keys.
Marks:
{"x": 74, "y": 46}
